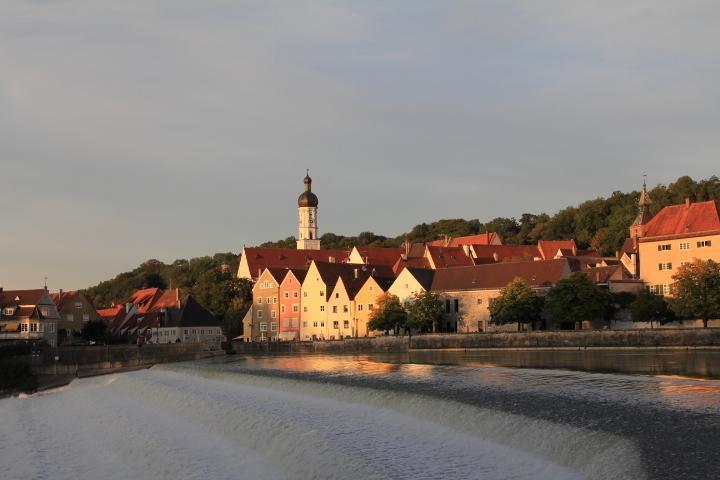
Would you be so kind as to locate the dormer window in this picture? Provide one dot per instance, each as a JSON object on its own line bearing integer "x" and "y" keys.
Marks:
{"x": 9, "y": 310}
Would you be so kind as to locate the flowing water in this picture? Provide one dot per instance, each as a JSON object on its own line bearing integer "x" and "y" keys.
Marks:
{"x": 421, "y": 415}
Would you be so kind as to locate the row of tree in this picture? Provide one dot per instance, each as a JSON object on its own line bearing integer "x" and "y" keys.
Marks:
{"x": 601, "y": 224}
{"x": 573, "y": 300}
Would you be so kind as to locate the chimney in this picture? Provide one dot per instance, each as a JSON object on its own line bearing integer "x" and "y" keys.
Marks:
{"x": 597, "y": 277}
{"x": 407, "y": 247}
{"x": 60, "y": 292}
{"x": 617, "y": 253}
{"x": 177, "y": 297}
{"x": 687, "y": 202}
{"x": 496, "y": 257}
{"x": 355, "y": 272}
{"x": 331, "y": 259}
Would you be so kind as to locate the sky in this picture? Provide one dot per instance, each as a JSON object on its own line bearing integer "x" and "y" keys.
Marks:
{"x": 171, "y": 129}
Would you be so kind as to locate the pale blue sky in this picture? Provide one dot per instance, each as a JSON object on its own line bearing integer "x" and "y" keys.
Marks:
{"x": 137, "y": 129}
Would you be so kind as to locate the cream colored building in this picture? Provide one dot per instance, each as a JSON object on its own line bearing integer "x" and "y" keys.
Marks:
{"x": 366, "y": 300}
{"x": 676, "y": 235}
{"x": 28, "y": 315}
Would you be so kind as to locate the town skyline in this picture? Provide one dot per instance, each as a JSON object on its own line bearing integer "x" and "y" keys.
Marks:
{"x": 171, "y": 131}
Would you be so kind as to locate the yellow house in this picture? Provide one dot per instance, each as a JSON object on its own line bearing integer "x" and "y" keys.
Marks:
{"x": 364, "y": 291}
{"x": 411, "y": 281}
{"x": 676, "y": 235}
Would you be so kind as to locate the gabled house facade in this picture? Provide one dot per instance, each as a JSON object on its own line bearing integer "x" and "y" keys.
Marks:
{"x": 75, "y": 312}
{"x": 28, "y": 315}
{"x": 290, "y": 294}
{"x": 265, "y": 319}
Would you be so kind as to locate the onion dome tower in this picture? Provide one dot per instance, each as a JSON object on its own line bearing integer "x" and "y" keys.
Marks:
{"x": 307, "y": 218}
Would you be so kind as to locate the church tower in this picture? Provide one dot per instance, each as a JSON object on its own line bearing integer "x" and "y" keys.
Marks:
{"x": 307, "y": 222}
{"x": 637, "y": 229}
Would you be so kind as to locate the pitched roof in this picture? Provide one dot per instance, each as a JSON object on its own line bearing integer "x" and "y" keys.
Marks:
{"x": 480, "y": 239}
{"x": 684, "y": 219}
{"x": 604, "y": 274}
{"x": 259, "y": 258}
{"x": 194, "y": 315}
{"x": 424, "y": 276}
{"x": 446, "y": 257}
{"x": 497, "y": 275}
{"x": 410, "y": 262}
{"x": 61, "y": 298}
{"x": 144, "y": 299}
{"x": 549, "y": 248}
{"x": 505, "y": 253}
{"x": 25, "y": 297}
{"x": 380, "y": 255}
{"x": 331, "y": 272}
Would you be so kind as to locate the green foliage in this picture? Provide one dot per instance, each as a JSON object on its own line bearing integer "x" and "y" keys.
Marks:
{"x": 389, "y": 314}
{"x": 94, "y": 331}
{"x": 576, "y": 299}
{"x": 425, "y": 311}
{"x": 697, "y": 291}
{"x": 648, "y": 307}
{"x": 226, "y": 296}
{"x": 517, "y": 303}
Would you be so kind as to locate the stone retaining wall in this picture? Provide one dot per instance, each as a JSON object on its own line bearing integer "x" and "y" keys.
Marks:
{"x": 642, "y": 338}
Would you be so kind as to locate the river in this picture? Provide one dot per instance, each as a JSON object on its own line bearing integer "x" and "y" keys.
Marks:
{"x": 424, "y": 415}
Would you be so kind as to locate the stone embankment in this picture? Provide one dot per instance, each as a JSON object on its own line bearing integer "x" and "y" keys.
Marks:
{"x": 586, "y": 339}
{"x": 96, "y": 360}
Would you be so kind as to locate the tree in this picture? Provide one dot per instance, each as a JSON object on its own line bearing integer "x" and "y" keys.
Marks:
{"x": 425, "y": 310}
{"x": 389, "y": 314}
{"x": 576, "y": 299}
{"x": 517, "y": 303}
{"x": 648, "y": 307}
{"x": 697, "y": 290}
{"x": 94, "y": 330}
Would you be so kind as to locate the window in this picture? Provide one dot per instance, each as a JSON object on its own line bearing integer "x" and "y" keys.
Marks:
{"x": 360, "y": 307}
{"x": 337, "y": 295}
{"x": 304, "y": 294}
{"x": 9, "y": 310}
{"x": 51, "y": 327}
{"x": 334, "y": 308}
{"x": 685, "y": 246}
{"x": 704, "y": 243}
{"x": 274, "y": 299}
{"x": 273, "y": 314}
{"x": 259, "y": 314}
{"x": 282, "y": 308}
{"x": 78, "y": 305}
{"x": 259, "y": 300}
{"x": 336, "y": 325}
{"x": 314, "y": 324}
{"x": 23, "y": 327}
{"x": 86, "y": 317}
{"x": 346, "y": 323}
{"x": 295, "y": 308}
{"x": 263, "y": 327}
{"x": 286, "y": 294}
{"x": 371, "y": 288}
{"x": 663, "y": 247}
{"x": 70, "y": 317}
{"x": 322, "y": 308}
{"x": 305, "y": 309}
{"x": 447, "y": 306}
{"x": 273, "y": 326}
{"x": 186, "y": 331}
{"x": 666, "y": 289}
{"x": 322, "y": 294}
{"x": 33, "y": 327}
{"x": 665, "y": 266}
{"x": 45, "y": 311}
{"x": 345, "y": 309}
{"x": 304, "y": 324}
{"x": 322, "y": 324}
{"x": 479, "y": 301}
{"x": 371, "y": 306}
{"x": 295, "y": 294}
{"x": 457, "y": 305}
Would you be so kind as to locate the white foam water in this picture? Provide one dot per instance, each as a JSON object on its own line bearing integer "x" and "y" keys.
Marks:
{"x": 202, "y": 422}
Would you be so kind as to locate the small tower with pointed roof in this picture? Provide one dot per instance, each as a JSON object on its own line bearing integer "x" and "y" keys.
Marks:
{"x": 637, "y": 229}
{"x": 307, "y": 218}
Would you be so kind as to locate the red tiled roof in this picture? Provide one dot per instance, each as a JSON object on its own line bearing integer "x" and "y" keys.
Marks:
{"x": 144, "y": 299}
{"x": 549, "y": 248}
{"x": 684, "y": 219}
{"x": 446, "y": 257}
{"x": 26, "y": 297}
{"x": 479, "y": 239}
{"x": 505, "y": 253}
{"x": 258, "y": 258}
{"x": 380, "y": 255}
{"x": 494, "y": 276}
{"x": 412, "y": 262}
{"x": 331, "y": 272}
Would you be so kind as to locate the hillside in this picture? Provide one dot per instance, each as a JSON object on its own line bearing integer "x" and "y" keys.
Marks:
{"x": 601, "y": 223}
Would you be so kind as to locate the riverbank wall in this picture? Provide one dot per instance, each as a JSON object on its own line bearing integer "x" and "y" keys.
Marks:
{"x": 583, "y": 339}
{"x": 96, "y": 360}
